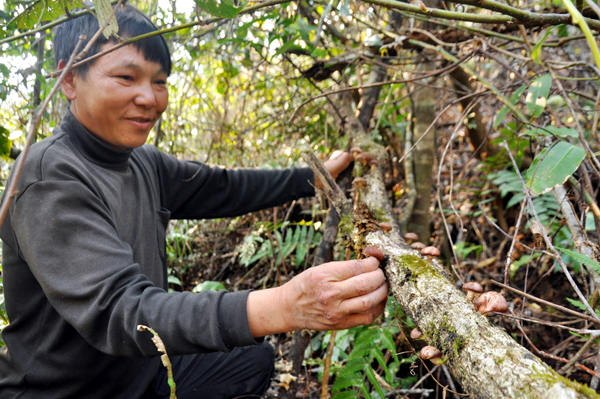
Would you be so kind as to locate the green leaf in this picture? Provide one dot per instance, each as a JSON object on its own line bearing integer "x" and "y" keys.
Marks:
{"x": 374, "y": 381}
{"x": 562, "y": 131}
{"x": 514, "y": 99}
{"x": 286, "y": 46}
{"x": 562, "y": 31}
{"x": 553, "y": 166}
{"x": 345, "y": 381}
{"x": 523, "y": 260}
{"x": 346, "y": 395}
{"x": 103, "y": 12}
{"x": 586, "y": 260}
{"x": 537, "y": 49}
{"x": 5, "y": 143}
{"x": 580, "y": 305}
{"x": 219, "y": 8}
{"x": 42, "y": 10}
{"x": 551, "y": 130}
{"x": 538, "y": 95}
{"x": 319, "y": 53}
{"x": 208, "y": 286}
{"x": 501, "y": 115}
{"x": 174, "y": 280}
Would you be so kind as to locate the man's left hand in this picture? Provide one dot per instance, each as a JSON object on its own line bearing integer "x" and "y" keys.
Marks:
{"x": 335, "y": 165}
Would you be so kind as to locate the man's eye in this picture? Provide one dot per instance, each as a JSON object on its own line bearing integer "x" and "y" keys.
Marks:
{"x": 125, "y": 77}
{"x": 161, "y": 82}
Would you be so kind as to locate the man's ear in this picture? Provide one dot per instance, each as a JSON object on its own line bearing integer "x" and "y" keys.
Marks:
{"x": 67, "y": 86}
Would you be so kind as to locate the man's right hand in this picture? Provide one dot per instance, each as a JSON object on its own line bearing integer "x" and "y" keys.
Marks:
{"x": 332, "y": 296}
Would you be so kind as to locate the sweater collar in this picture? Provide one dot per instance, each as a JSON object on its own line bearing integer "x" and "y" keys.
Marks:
{"x": 91, "y": 147}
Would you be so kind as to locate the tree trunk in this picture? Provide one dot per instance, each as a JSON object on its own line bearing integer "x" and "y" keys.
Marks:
{"x": 482, "y": 357}
{"x": 424, "y": 101}
{"x": 480, "y": 144}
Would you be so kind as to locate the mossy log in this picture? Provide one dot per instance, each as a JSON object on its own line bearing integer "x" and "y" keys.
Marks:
{"x": 483, "y": 358}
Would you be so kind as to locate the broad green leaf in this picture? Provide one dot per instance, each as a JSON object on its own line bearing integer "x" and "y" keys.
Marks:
{"x": 561, "y": 131}
{"x": 174, "y": 280}
{"x": 219, "y": 8}
{"x": 584, "y": 259}
{"x": 208, "y": 286}
{"x": 103, "y": 12}
{"x": 551, "y": 130}
{"x": 554, "y": 166}
{"x": 286, "y": 46}
{"x": 514, "y": 99}
{"x": 43, "y": 10}
{"x": 501, "y": 115}
{"x": 538, "y": 95}
{"x": 5, "y": 143}
{"x": 537, "y": 49}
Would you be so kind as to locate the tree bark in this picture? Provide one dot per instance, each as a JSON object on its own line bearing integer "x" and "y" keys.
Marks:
{"x": 369, "y": 97}
{"x": 483, "y": 358}
{"x": 480, "y": 145}
{"x": 424, "y": 101}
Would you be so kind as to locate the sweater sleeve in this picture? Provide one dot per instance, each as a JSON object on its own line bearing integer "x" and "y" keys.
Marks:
{"x": 193, "y": 190}
{"x": 67, "y": 237}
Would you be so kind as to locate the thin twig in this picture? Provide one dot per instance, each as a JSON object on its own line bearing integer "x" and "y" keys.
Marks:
{"x": 513, "y": 242}
{"x": 389, "y": 82}
{"x": 583, "y": 331}
{"x": 544, "y": 302}
{"x": 575, "y": 358}
{"x": 464, "y": 114}
{"x": 327, "y": 365}
{"x": 557, "y": 358}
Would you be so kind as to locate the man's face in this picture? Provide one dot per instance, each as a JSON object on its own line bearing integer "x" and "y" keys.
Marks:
{"x": 120, "y": 98}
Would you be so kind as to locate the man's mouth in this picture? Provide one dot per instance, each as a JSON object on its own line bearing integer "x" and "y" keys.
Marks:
{"x": 143, "y": 120}
{"x": 141, "y": 123}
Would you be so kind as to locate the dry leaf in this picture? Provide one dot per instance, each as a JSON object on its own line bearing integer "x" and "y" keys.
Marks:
{"x": 285, "y": 379}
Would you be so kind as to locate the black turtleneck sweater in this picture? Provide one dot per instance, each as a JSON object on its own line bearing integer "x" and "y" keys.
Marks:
{"x": 84, "y": 263}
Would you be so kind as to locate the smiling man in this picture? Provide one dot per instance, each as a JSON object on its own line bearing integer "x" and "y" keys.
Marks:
{"x": 84, "y": 260}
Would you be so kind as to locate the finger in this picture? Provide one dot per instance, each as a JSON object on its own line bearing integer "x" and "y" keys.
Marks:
{"x": 366, "y": 303}
{"x": 360, "y": 285}
{"x": 364, "y": 318}
{"x": 336, "y": 153}
{"x": 343, "y": 270}
{"x": 338, "y": 161}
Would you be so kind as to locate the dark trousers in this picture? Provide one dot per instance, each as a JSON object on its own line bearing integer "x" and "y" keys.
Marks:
{"x": 243, "y": 372}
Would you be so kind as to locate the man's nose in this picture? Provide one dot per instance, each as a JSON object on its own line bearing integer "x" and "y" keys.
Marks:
{"x": 145, "y": 96}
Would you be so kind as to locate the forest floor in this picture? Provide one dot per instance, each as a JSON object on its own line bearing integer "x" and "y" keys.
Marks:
{"x": 212, "y": 253}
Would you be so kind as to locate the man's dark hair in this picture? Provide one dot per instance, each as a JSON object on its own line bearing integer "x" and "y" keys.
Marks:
{"x": 132, "y": 22}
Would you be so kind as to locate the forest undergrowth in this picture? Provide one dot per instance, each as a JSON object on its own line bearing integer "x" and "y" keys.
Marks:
{"x": 246, "y": 253}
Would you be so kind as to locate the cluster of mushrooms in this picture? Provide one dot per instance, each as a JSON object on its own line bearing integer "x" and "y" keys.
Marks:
{"x": 484, "y": 302}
